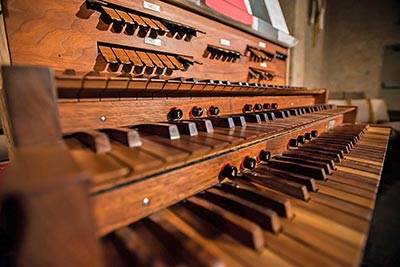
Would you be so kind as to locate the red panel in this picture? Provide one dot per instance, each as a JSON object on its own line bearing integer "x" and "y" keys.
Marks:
{"x": 235, "y": 9}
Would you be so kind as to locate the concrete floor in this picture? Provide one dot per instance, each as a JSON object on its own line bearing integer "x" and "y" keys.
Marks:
{"x": 383, "y": 246}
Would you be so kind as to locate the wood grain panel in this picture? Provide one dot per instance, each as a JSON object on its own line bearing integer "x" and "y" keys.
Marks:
{"x": 63, "y": 35}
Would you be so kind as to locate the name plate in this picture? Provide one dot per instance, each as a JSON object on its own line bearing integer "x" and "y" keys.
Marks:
{"x": 225, "y": 42}
{"x": 151, "y": 41}
{"x": 151, "y": 6}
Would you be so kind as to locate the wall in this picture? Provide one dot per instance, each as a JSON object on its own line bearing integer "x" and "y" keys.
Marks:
{"x": 349, "y": 53}
{"x": 306, "y": 61}
{"x": 358, "y": 32}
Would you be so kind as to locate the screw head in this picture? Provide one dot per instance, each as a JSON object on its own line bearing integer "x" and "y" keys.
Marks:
{"x": 102, "y": 118}
{"x": 146, "y": 202}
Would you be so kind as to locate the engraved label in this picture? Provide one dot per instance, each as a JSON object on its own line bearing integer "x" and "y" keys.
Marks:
{"x": 331, "y": 124}
{"x": 151, "y": 6}
{"x": 156, "y": 42}
{"x": 225, "y": 42}
{"x": 262, "y": 44}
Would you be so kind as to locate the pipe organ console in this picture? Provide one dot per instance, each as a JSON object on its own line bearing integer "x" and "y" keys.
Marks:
{"x": 164, "y": 137}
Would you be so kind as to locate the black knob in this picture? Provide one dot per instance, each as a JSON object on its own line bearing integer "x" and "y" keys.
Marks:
{"x": 247, "y": 108}
{"x": 175, "y": 114}
{"x": 258, "y": 107}
{"x": 266, "y": 106}
{"x": 229, "y": 171}
{"x": 197, "y": 112}
{"x": 293, "y": 143}
{"x": 249, "y": 163}
{"x": 274, "y": 105}
{"x": 314, "y": 133}
{"x": 264, "y": 155}
{"x": 301, "y": 139}
{"x": 308, "y": 136}
{"x": 213, "y": 110}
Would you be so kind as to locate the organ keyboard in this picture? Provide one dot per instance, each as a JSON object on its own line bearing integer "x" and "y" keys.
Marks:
{"x": 136, "y": 163}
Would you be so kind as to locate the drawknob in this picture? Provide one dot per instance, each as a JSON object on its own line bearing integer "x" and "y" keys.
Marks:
{"x": 175, "y": 114}
{"x": 293, "y": 143}
{"x": 249, "y": 163}
{"x": 314, "y": 133}
{"x": 301, "y": 139}
{"x": 197, "y": 112}
{"x": 264, "y": 155}
{"x": 247, "y": 108}
{"x": 213, "y": 111}
{"x": 257, "y": 107}
{"x": 229, "y": 171}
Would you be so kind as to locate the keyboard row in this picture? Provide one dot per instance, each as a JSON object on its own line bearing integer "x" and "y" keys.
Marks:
{"x": 139, "y": 150}
{"x": 254, "y": 218}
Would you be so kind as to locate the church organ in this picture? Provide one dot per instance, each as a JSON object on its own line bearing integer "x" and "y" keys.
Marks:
{"x": 164, "y": 137}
